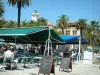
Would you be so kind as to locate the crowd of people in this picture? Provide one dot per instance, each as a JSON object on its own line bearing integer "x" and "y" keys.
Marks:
{"x": 11, "y": 53}
{"x": 33, "y": 50}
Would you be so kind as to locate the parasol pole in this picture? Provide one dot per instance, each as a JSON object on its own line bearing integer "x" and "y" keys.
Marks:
{"x": 79, "y": 47}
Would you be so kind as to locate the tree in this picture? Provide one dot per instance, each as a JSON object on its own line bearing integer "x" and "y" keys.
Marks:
{"x": 2, "y": 23}
{"x": 81, "y": 25}
{"x": 7, "y": 24}
{"x": 42, "y": 21}
{"x": 31, "y": 24}
{"x": 58, "y": 32}
{"x": 20, "y": 4}
{"x": 92, "y": 33}
{"x": 88, "y": 34}
{"x": 24, "y": 23}
{"x": 1, "y": 8}
{"x": 62, "y": 22}
{"x": 10, "y": 24}
{"x": 95, "y": 32}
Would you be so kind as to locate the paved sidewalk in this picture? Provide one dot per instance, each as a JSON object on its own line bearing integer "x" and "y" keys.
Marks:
{"x": 78, "y": 69}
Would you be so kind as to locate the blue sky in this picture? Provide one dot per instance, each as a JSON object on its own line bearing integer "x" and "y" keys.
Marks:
{"x": 51, "y": 9}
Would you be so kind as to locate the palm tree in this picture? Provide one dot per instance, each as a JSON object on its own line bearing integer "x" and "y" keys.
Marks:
{"x": 62, "y": 22}
{"x": 20, "y": 4}
{"x": 92, "y": 33}
{"x": 95, "y": 32}
{"x": 88, "y": 34}
{"x": 81, "y": 25}
{"x": 24, "y": 23}
{"x": 1, "y": 8}
{"x": 42, "y": 21}
{"x": 31, "y": 23}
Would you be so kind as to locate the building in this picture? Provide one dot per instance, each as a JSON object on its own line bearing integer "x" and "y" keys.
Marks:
{"x": 35, "y": 16}
{"x": 71, "y": 29}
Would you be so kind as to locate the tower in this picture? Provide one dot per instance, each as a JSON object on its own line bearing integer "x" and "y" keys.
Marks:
{"x": 35, "y": 16}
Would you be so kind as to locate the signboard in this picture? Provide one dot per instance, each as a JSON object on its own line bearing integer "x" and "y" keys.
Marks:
{"x": 89, "y": 47}
{"x": 47, "y": 65}
{"x": 88, "y": 53}
{"x": 66, "y": 63}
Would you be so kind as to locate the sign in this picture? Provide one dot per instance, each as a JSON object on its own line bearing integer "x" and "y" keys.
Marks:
{"x": 88, "y": 55}
{"x": 66, "y": 63}
{"x": 89, "y": 47}
{"x": 47, "y": 65}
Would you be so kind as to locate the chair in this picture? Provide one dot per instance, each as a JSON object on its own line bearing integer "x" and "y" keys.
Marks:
{"x": 8, "y": 61}
{"x": 2, "y": 66}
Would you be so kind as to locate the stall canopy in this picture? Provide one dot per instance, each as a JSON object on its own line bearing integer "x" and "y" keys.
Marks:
{"x": 73, "y": 39}
{"x": 29, "y": 35}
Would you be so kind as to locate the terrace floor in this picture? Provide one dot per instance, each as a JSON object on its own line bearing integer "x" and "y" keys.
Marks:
{"x": 78, "y": 68}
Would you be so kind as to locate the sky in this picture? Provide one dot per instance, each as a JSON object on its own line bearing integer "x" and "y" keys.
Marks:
{"x": 51, "y": 9}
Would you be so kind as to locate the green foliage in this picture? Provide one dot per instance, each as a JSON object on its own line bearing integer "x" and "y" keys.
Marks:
{"x": 31, "y": 24}
{"x": 59, "y": 33}
{"x": 24, "y": 23}
{"x": 2, "y": 22}
{"x": 23, "y": 2}
{"x": 42, "y": 21}
{"x": 62, "y": 22}
{"x": 20, "y": 4}
{"x": 11, "y": 24}
{"x": 1, "y": 8}
{"x": 92, "y": 33}
{"x": 81, "y": 25}
{"x": 7, "y": 24}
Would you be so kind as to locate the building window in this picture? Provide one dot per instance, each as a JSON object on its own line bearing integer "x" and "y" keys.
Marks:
{"x": 67, "y": 32}
{"x": 74, "y": 32}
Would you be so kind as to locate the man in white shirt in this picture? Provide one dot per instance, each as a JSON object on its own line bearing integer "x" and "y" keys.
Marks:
{"x": 8, "y": 55}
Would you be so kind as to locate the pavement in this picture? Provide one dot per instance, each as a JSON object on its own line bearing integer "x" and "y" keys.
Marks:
{"x": 78, "y": 68}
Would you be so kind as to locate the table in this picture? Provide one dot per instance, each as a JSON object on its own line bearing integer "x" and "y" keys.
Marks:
{"x": 57, "y": 59}
{"x": 24, "y": 60}
{"x": 37, "y": 59}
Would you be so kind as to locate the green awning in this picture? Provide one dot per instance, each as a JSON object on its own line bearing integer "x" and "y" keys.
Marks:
{"x": 29, "y": 35}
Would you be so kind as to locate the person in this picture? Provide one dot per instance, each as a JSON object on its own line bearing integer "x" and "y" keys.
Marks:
{"x": 9, "y": 57}
{"x": 8, "y": 54}
{"x": 42, "y": 49}
{"x": 61, "y": 54}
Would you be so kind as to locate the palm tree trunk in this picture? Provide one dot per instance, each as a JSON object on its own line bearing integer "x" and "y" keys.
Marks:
{"x": 62, "y": 31}
{"x": 81, "y": 33}
{"x": 19, "y": 12}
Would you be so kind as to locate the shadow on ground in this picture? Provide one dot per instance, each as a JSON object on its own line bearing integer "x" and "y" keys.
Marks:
{"x": 33, "y": 74}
